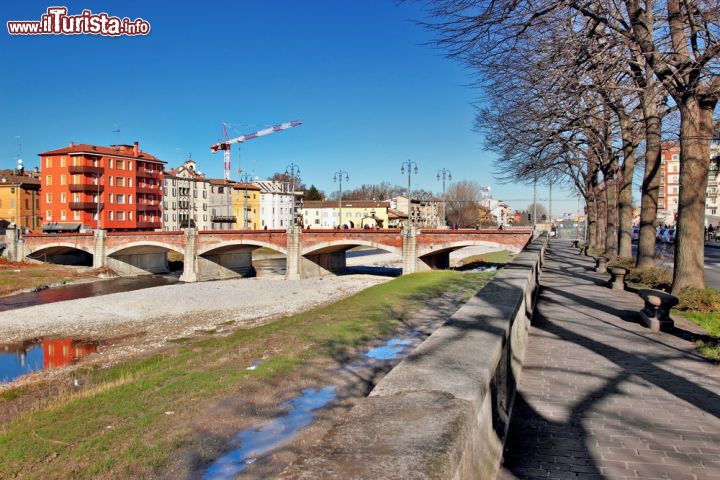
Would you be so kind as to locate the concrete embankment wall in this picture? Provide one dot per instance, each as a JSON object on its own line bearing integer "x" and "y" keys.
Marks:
{"x": 443, "y": 412}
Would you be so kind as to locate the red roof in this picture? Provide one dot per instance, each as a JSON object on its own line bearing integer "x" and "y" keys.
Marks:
{"x": 127, "y": 151}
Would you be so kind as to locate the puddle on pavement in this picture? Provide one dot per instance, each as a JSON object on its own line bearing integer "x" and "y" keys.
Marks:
{"x": 17, "y": 359}
{"x": 266, "y": 436}
{"x": 390, "y": 351}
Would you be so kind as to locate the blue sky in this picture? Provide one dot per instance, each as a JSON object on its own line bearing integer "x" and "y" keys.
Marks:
{"x": 358, "y": 74}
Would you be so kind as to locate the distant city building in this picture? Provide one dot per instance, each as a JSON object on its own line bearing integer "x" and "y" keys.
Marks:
{"x": 221, "y": 209}
{"x": 422, "y": 213}
{"x": 712, "y": 212}
{"x": 669, "y": 183}
{"x": 186, "y": 196}
{"x": 246, "y": 206}
{"x": 122, "y": 180}
{"x": 356, "y": 214}
{"x": 498, "y": 210}
{"x": 20, "y": 199}
{"x": 276, "y": 203}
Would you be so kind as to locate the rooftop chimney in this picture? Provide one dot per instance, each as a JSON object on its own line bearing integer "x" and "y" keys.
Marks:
{"x": 136, "y": 149}
{"x": 72, "y": 144}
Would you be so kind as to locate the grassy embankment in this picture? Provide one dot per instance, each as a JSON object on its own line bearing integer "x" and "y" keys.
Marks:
{"x": 500, "y": 257}
{"x": 116, "y": 425}
{"x": 19, "y": 276}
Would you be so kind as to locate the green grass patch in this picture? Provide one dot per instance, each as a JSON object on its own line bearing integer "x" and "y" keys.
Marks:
{"x": 116, "y": 426}
{"x": 710, "y": 322}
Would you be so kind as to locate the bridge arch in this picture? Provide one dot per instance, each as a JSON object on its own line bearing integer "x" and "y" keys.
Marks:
{"x": 429, "y": 250}
{"x": 143, "y": 244}
{"x": 228, "y": 244}
{"x": 347, "y": 244}
{"x": 63, "y": 253}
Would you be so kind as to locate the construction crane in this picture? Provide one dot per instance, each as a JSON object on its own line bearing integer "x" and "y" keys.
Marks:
{"x": 225, "y": 144}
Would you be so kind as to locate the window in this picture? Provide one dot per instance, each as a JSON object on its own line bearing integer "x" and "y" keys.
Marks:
{"x": 120, "y": 181}
{"x": 62, "y": 161}
{"x": 74, "y": 161}
{"x": 111, "y": 181}
{"x": 112, "y": 215}
{"x": 120, "y": 198}
{"x": 12, "y": 203}
{"x": 130, "y": 199}
{"x": 75, "y": 179}
{"x": 120, "y": 215}
{"x": 165, "y": 217}
{"x": 48, "y": 162}
{"x": 76, "y": 215}
{"x": 129, "y": 165}
{"x": 48, "y": 215}
{"x": 129, "y": 182}
{"x": 48, "y": 180}
{"x": 110, "y": 198}
{"x": 62, "y": 179}
{"x": 63, "y": 198}
{"x": 120, "y": 165}
{"x": 48, "y": 198}
{"x": 130, "y": 216}
{"x": 63, "y": 215}
{"x": 110, "y": 163}
{"x": 76, "y": 197}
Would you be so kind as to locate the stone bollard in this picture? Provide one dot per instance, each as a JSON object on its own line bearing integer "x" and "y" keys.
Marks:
{"x": 601, "y": 264}
{"x": 617, "y": 282}
{"x": 656, "y": 314}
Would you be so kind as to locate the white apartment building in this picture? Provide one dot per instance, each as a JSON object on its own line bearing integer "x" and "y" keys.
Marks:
{"x": 276, "y": 204}
{"x": 185, "y": 198}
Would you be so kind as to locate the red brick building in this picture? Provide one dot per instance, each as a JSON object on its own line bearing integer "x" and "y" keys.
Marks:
{"x": 125, "y": 181}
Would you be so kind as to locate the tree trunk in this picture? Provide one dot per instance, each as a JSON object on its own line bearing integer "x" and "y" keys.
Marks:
{"x": 695, "y": 134}
{"x": 611, "y": 230}
{"x": 651, "y": 181}
{"x": 625, "y": 191}
{"x": 602, "y": 217}
{"x": 591, "y": 220}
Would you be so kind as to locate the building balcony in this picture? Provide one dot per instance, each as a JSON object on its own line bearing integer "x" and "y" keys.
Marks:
{"x": 142, "y": 172}
{"x": 142, "y": 207}
{"x": 92, "y": 206}
{"x": 149, "y": 190}
{"x": 148, "y": 225}
{"x": 85, "y": 188}
{"x": 223, "y": 219}
{"x": 80, "y": 169}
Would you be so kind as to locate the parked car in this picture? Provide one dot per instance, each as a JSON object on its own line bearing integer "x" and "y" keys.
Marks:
{"x": 635, "y": 234}
{"x": 659, "y": 234}
{"x": 668, "y": 236}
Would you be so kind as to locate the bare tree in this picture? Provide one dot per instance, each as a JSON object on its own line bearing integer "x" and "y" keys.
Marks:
{"x": 462, "y": 200}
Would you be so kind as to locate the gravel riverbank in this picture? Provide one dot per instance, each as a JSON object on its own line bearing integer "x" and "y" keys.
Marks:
{"x": 156, "y": 315}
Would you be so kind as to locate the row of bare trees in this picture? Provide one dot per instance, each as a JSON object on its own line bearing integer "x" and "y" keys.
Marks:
{"x": 581, "y": 92}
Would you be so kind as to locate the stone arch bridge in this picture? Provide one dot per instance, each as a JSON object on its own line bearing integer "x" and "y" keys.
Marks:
{"x": 218, "y": 254}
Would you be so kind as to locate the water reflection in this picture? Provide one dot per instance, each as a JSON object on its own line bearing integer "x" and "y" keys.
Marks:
{"x": 266, "y": 436}
{"x": 390, "y": 351}
{"x": 17, "y": 359}
{"x": 82, "y": 290}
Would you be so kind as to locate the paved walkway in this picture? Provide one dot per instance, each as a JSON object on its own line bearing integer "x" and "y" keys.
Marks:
{"x": 602, "y": 397}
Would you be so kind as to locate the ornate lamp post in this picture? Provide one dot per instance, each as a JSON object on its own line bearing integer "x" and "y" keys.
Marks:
{"x": 292, "y": 171}
{"x": 444, "y": 174}
{"x": 410, "y": 167}
{"x": 338, "y": 178}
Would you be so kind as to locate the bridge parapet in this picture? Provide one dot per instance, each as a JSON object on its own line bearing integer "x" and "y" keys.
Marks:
{"x": 442, "y": 412}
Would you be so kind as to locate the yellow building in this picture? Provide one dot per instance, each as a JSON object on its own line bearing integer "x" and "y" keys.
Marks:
{"x": 355, "y": 214}
{"x": 246, "y": 196}
{"x": 20, "y": 199}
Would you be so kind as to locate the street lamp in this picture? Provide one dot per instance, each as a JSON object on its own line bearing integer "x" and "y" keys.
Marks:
{"x": 410, "y": 167}
{"x": 292, "y": 171}
{"x": 245, "y": 178}
{"x": 444, "y": 174}
{"x": 338, "y": 178}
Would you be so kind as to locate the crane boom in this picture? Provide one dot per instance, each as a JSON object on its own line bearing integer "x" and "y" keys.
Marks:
{"x": 225, "y": 144}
